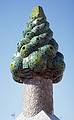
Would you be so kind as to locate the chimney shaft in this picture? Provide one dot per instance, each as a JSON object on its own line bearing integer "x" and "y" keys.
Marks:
{"x": 38, "y": 95}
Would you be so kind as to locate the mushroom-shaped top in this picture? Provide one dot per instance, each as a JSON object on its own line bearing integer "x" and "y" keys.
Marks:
{"x": 37, "y": 53}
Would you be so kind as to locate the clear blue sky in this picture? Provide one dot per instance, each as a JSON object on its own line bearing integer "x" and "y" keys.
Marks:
{"x": 13, "y": 17}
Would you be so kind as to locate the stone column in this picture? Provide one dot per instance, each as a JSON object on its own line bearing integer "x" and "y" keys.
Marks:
{"x": 37, "y": 64}
{"x": 38, "y": 95}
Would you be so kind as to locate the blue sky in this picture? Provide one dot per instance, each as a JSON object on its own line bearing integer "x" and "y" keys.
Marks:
{"x": 13, "y": 18}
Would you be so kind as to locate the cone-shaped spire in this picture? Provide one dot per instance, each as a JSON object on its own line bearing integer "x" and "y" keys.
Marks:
{"x": 37, "y": 52}
{"x": 37, "y": 12}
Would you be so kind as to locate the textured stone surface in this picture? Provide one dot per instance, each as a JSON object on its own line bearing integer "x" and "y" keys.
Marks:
{"x": 40, "y": 116}
{"x": 38, "y": 96}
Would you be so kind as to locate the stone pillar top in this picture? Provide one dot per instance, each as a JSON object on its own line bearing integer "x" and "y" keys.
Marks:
{"x": 37, "y": 52}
